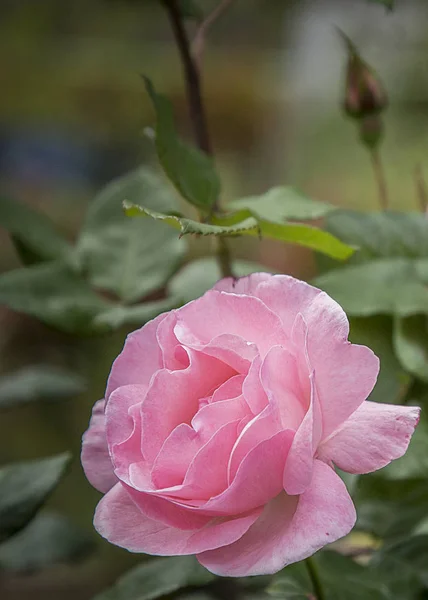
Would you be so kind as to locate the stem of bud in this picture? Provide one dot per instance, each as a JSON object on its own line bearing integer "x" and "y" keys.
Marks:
{"x": 380, "y": 178}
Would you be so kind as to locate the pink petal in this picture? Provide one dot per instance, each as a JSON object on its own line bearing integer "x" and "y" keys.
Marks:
{"x": 123, "y": 427}
{"x": 290, "y": 529}
{"x": 258, "y": 429}
{"x": 373, "y": 436}
{"x": 140, "y": 358}
{"x": 346, "y": 373}
{"x": 173, "y": 398}
{"x": 242, "y": 285}
{"x": 300, "y": 461}
{"x": 280, "y": 379}
{"x": 207, "y": 474}
{"x": 175, "y": 456}
{"x": 232, "y": 388}
{"x": 218, "y": 313}
{"x": 257, "y": 480}
{"x": 173, "y": 356}
{"x": 252, "y": 388}
{"x": 119, "y": 520}
{"x": 95, "y": 456}
{"x": 211, "y": 417}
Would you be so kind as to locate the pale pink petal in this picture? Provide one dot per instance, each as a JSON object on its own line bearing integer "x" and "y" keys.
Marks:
{"x": 213, "y": 416}
{"x": 252, "y": 388}
{"x": 233, "y": 350}
{"x": 258, "y": 429}
{"x": 173, "y": 356}
{"x": 232, "y": 388}
{"x": 140, "y": 358}
{"x": 257, "y": 480}
{"x": 217, "y": 313}
{"x": 95, "y": 456}
{"x": 175, "y": 456}
{"x": 300, "y": 461}
{"x": 290, "y": 529}
{"x": 207, "y": 473}
{"x": 167, "y": 512}
{"x": 373, "y": 436}
{"x": 280, "y": 379}
{"x": 345, "y": 373}
{"x": 173, "y": 398}
{"x": 120, "y": 521}
{"x": 242, "y": 285}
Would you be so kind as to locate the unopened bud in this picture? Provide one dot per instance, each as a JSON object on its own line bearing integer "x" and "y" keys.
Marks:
{"x": 364, "y": 92}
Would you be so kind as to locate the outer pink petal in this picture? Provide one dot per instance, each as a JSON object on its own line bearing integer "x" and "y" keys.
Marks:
{"x": 95, "y": 456}
{"x": 173, "y": 398}
{"x": 119, "y": 520}
{"x": 290, "y": 529}
{"x": 346, "y": 373}
{"x": 140, "y": 358}
{"x": 300, "y": 461}
{"x": 219, "y": 313}
{"x": 373, "y": 436}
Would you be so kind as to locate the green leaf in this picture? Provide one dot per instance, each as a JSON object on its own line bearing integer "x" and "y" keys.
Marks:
{"x": 188, "y": 226}
{"x": 383, "y": 286}
{"x": 190, "y": 10}
{"x": 341, "y": 577}
{"x": 389, "y": 274}
{"x": 136, "y": 315}
{"x": 244, "y": 222}
{"x": 391, "y": 509}
{"x": 411, "y": 344}
{"x": 376, "y": 333}
{"x": 408, "y": 559}
{"x": 130, "y": 258}
{"x": 53, "y": 293}
{"x": 282, "y": 203}
{"x": 292, "y": 583}
{"x": 33, "y": 234}
{"x": 157, "y": 578}
{"x": 49, "y": 539}
{"x": 191, "y": 171}
{"x": 200, "y": 275}
{"x": 24, "y": 487}
{"x": 38, "y": 382}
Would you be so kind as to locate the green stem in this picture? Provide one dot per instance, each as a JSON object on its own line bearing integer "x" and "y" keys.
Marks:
{"x": 197, "y": 111}
{"x": 315, "y": 578}
{"x": 380, "y": 179}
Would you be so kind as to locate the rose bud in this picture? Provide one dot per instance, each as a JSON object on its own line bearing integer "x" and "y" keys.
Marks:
{"x": 222, "y": 424}
{"x": 364, "y": 92}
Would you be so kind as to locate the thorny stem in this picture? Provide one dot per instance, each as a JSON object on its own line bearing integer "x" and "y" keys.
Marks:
{"x": 191, "y": 76}
{"x": 380, "y": 179}
{"x": 315, "y": 578}
{"x": 196, "y": 110}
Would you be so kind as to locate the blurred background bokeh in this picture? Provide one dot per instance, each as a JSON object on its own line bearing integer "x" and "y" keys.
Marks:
{"x": 72, "y": 116}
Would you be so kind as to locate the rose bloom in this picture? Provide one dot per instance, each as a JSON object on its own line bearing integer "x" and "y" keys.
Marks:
{"x": 223, "y": 421}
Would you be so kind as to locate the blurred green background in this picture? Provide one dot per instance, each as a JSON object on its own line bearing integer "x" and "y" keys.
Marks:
{"x": 72, "y": 117}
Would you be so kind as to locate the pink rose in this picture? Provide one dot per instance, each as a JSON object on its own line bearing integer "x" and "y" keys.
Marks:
{"x": 223, "y": 421}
